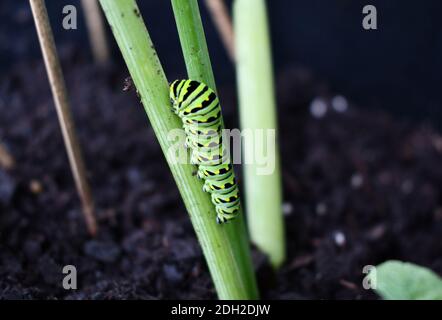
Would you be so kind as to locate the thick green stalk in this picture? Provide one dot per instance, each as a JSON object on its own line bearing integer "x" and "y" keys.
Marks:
{"x": 258, "y": 111}
{"x": 199, "y": 67}
{"x": 219, "y": 247}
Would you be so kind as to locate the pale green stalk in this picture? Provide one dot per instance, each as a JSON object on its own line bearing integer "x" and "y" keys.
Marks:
{"x": 258, "y": 112}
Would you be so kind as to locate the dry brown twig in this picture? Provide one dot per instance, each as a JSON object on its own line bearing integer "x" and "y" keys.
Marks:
{"x": 59, "y": 93}
{"x": 6, "y": 159}
{"x": 223, "y": 23}
{"x": 97, "y": 34}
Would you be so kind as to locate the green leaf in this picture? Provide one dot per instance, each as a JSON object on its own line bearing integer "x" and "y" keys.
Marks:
{"x": 397, "y": 280}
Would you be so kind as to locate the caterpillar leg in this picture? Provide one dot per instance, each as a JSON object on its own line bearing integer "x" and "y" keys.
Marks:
{"x": 221, "y": 219}
{"x": 225, "y": 215}
{"x": 187, "y": 142}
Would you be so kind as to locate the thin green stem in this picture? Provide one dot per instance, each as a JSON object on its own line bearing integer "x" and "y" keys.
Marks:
{"x": 199, "y": 67}
{"x": 258, "y": 112}
{"x": 193, "y": 41}
{"x": 220, "y": 247}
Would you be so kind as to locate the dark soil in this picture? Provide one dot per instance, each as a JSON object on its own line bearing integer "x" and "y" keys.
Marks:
{"x": 359, "y": 188}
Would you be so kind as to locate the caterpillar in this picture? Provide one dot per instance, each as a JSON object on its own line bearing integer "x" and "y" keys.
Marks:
{"x": 199, "y": 110}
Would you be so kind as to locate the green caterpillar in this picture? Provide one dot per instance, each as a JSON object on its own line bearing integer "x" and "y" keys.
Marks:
{"x": 198, "y": 107}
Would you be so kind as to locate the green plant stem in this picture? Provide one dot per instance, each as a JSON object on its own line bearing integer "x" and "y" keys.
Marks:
{"x": 193, "y": 41}
{"x": 220, "y": 248}
{"x": 258, "y": 111}
{"x": 199, "y": 67}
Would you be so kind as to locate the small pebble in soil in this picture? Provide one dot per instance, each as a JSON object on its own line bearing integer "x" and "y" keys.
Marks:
{"x": 438, "y": 213}
{"x": 172, "y": 273}
{"x": 22, "y": 16}
{"x": 321, "y": 209}
{"x": 287, "y": 208}
{"x": 376, "y": 232}
{"x": 356, "y": 180}
{"x": 32, "y": 249}
{"x": 339, "y": 104}
{"x": 35, "y": 186}
{"x": 385, "y": 178}
{"x": 339, "y": 238}
{"x": 134, "y": 176}
{"x": 49, "y": 270}
{"x": 184, "y": 249}
{"x": 407, "y": 186}
{"x": 102, "y": 251}
{"x": 7, "y": 187}
{"x": 318, "y": 108}
{"x": 437, "y": 142}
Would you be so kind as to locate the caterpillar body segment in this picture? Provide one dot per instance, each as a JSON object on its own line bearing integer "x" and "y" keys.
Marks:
{"x": 198, "y": 107}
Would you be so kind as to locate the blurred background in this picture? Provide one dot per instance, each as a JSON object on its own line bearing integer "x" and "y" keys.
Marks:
{"x": 397, "y": 67}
